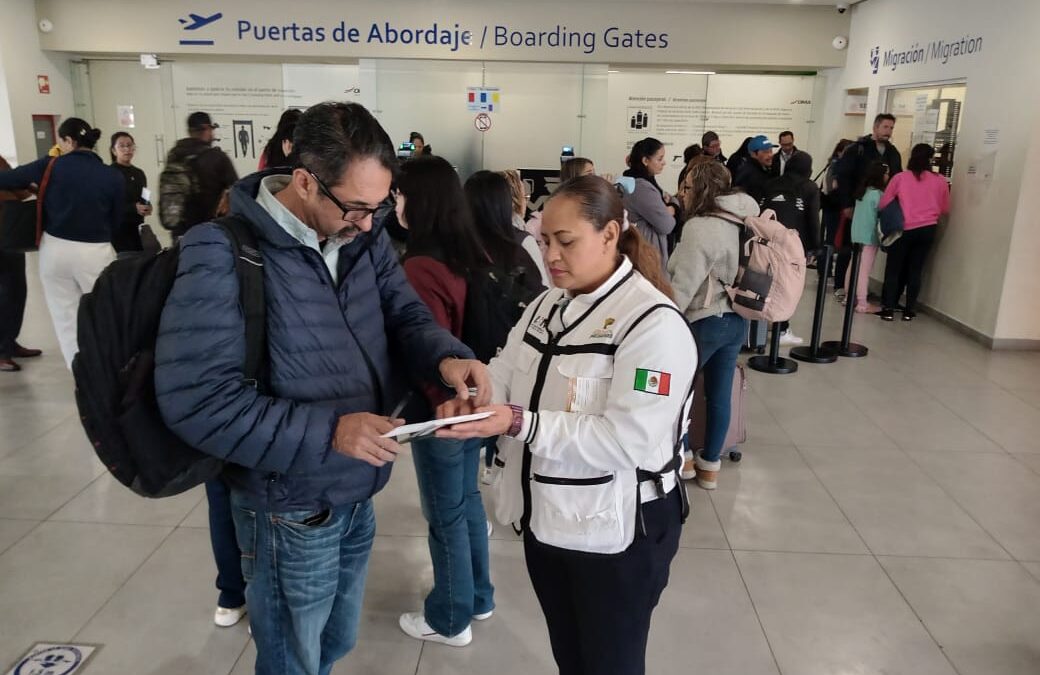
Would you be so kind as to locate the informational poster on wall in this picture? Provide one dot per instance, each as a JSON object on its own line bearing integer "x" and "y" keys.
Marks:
{"x": 246, "y": 100}
{"x": 678, "y": 109}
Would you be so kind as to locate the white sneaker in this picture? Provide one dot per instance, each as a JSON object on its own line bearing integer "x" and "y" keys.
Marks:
{"x": 689, "y": 470}
{"x": 789, "y": 339}
{"x": 484, "y": 617}
{"x": 225, "y": 618}
{"x": 414, "y": 624}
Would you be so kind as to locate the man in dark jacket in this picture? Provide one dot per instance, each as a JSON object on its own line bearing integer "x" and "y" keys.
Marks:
{"x": 784, "y": 154}
{"x": 849, "y": 172}
{"x": 195, "y": 177}
{"x": 305, "y": 448}
{"x": 753, "y": 175}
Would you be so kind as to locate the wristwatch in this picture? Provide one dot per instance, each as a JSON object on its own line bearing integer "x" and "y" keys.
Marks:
{"x": 518, "y": 421}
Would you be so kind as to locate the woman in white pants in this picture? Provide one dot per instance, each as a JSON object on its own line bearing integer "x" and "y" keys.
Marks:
{"x": 82, "y": 201}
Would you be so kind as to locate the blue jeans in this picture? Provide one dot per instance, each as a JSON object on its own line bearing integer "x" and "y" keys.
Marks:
{"x": 447, "y": 476}
{"x": 718, "y": 344}
{"x": 230, "y": 583}
{"x": 305, "y": 572}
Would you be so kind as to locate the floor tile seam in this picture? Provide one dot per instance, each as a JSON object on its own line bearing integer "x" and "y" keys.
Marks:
{"x": 830, "y": 494}
{"x": 154, "y": 526}
{"x": 1030, "y": 574}
{"x": 1014, "y": 392}
{"x": 970, "y": 423}
{"x": 121, "y": 586}
{"x": 418, "y": 661}
{"x": 192, "y": 510}
{"x": 962, "y": 507}
{"x": 241, "y": 655}
{"x": 884, "y": 571}
{"x": 758, "y": 616}
{"x": 23, "y": 446}
{"x": 75, "y": 496}
{"x": 1029, "y": 467}
{"x": 21, "y": 538}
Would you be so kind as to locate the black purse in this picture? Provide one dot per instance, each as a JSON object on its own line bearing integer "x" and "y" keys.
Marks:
{"x": 18, "y": 228}
{"x": 22, "y": 224}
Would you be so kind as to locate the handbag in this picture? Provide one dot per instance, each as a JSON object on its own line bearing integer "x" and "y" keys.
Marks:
{"x": 22, "y": 225}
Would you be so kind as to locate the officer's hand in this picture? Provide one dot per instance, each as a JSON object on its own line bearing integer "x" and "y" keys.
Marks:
{"x": 454, "y": 407}
{"x": 359, "y": 435}
{"x": 461, "y": 374}
{"x": 496, "y": 425}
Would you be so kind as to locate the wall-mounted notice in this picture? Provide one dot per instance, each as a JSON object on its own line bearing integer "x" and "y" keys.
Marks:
{"x": 855, "y": 104}
{"x": 483, "y": 99}
{"x": 125, "y": 115}
{"x": 991, "y": 137}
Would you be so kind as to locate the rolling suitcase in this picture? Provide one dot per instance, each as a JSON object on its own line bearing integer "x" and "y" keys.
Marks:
{"x": 756, "y": 337}
{"x": 737, "y": 432}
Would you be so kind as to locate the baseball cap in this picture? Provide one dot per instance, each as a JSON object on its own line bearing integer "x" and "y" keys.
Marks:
{"x": 201, "y": 120}
{"x": 759, "y": 143}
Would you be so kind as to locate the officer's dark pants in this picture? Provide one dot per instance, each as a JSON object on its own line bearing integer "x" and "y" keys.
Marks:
{"x": 598, "y": 607}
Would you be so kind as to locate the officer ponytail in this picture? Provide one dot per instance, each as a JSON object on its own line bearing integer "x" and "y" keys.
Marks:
{"x": 600, "y": 203}
{"x": 80, "y": 132}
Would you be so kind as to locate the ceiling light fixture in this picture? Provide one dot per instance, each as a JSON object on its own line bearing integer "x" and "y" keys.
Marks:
{"x": 689, "y": 72}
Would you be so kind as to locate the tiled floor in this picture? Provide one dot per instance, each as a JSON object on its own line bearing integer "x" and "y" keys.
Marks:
{"x": 885, "y": 520}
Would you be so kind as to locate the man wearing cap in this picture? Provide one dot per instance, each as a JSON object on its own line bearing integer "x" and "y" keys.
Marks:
{"x": 194, "y": 178}
{"x": 753, "y": 175}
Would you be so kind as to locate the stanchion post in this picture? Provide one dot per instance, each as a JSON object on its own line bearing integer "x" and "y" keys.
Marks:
{"x": 773, "y": 364}
{"x": 846, "y": 347}
{"x": 814, "y": 353}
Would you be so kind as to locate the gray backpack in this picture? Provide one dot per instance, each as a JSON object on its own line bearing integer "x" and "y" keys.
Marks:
{"x": 177, "y": 184}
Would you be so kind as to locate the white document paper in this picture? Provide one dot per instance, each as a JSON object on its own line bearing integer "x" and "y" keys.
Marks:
{"x": 146, "y": 194}
{"x": 410, "y": 431}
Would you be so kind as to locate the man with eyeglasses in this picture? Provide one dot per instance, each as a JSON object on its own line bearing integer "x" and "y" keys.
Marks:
{"x": 304, "y": 447}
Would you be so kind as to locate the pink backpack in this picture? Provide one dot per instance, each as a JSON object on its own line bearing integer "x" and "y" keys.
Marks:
{"x": 771, "y": 275}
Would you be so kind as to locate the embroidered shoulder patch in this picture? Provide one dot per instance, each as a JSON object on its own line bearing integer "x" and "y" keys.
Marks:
{"x": 653, "y": 382}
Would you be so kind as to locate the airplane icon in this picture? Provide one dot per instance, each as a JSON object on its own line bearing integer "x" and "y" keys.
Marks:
{"x": 199, "y": 21}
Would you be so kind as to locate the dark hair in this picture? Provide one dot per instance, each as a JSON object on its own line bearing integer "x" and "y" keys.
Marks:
{"x": 643, "y": 149}
{"x": 839, "y": 148}
{"x": 490, "y": 201}
{"x": 706, "y": 182}
{"x": 573, "y": 167}
{"x": 884, "y": 116}
{"x": 115, "y": 137}
{"x": 329, "y": 136}
{"x": 799, "y": 165}
{"x": 690, "y": 152}
{"x": 416, "y": 135}
{"x": 437, "y": 217}
{"x": 873, "y": 177}
{"x": 786, "y": 133}
{"x": 921, "y": 156}
{"x": 740, "y": 156}
{"x": 80, "y": 132}
{"x": 600, "y": 203}
{"x": 283, "y": 132}
{"x": 708, "y": 138}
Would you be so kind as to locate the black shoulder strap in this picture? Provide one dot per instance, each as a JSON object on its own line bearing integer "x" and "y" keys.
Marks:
{"x": 250, "y": 268}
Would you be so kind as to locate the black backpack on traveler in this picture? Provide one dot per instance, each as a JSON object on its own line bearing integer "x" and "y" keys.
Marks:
{"x": 115, "y": 367}
{"x": 495, "y": 300}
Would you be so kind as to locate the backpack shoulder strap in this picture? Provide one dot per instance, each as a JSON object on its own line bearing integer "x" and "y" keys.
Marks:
{"x": 249, "y": 266}
{"x": 39, "y": 198}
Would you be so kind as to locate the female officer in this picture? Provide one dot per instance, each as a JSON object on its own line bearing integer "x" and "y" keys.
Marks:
{"x": 592, "y": 388}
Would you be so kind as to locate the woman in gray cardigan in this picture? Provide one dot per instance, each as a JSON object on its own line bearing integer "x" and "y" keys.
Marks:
{"x": 649, "y": 207}
{"x": 705, "y": 260}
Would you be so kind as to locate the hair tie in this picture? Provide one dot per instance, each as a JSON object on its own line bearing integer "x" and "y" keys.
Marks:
{"x": 624, "y": 223}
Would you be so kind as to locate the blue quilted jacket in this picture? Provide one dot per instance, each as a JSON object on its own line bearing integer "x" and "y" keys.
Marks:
{"x": 278, "y": 444}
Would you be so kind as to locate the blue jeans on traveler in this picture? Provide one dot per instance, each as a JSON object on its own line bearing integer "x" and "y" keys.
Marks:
{"x": 230, "y": 583}
{"x": 305, "y": 572}
{"x": 447, "y": 474}
{"x": 718, "y": 344}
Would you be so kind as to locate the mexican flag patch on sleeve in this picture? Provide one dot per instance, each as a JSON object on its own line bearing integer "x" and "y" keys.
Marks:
{"x": 653, "y": 382}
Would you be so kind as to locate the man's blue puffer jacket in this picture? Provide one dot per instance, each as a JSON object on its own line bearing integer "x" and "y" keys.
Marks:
{"x": 278, "y": 444}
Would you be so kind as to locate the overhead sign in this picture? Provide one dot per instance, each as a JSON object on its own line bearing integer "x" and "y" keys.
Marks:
{"x": 483, "y": 99}
{"x": 482, "y": 122}
{"x": 942, "y": 51}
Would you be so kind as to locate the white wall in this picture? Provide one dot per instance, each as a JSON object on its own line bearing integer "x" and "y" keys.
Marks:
{"x": 970, "y": 270}
{"x": 22, "y": 60}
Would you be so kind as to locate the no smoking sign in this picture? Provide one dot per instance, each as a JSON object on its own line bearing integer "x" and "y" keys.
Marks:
{"x": 482, "y": 122}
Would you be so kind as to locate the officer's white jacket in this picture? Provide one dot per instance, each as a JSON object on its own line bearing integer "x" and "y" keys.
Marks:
{"x": 605, "y": 378}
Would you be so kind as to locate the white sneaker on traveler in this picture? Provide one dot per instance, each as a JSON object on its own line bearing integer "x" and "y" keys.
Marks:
{"x": 414, "y": 624}
{"x": 789, "y": 339}
{"x": 225, "y": 617}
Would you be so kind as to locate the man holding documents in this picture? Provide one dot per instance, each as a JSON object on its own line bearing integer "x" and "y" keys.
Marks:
{"x": 305, "y": 445}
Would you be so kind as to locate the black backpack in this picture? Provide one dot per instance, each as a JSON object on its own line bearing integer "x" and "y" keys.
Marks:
{"x": 495, "y": 300}
{"x": 115, "y": 367}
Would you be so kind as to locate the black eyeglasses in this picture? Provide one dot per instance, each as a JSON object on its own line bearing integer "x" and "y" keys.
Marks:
{"x": 354, "y": 214}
